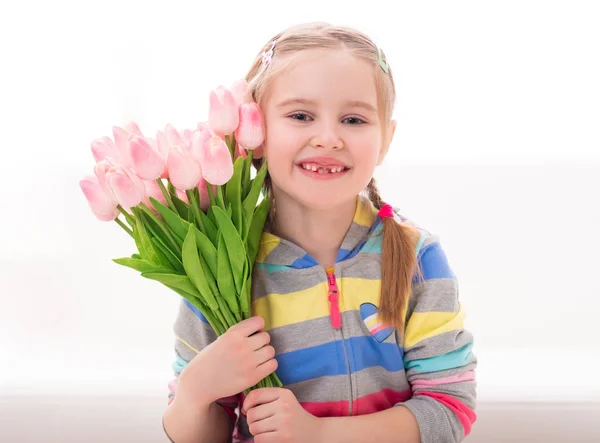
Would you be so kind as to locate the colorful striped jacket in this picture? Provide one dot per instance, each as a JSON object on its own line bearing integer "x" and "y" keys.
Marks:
{"x": 334, "y": 354}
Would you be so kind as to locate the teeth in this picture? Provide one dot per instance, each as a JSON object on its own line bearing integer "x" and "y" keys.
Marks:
{"x": 322, "y": 170}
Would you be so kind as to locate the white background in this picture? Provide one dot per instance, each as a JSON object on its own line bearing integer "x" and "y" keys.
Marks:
{"x": 497, "y": 150}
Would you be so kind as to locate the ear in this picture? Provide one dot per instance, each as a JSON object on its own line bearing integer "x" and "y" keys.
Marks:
{"x": 387, "y": 141}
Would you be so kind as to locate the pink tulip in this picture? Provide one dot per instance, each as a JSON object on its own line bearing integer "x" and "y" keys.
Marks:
{"x": 153, "y": 190}
{"x": 184, "y": 170}
{"x": 174, "y": 138}
{"x": 203, "y": 193}
{"x": 240, "y": 151}
{"x": 100, "y": 170}
{"x": 102, "y": 206}
{"x": 182, "y": 196}
{"x": 146, "y": 161}
{"x": 133, "y": 129}
{"x": 250, "y": 133}
{"x": 239, "y": 89}
{"x": 127, "y": 188}
{"x": 104, "y": 148}
{"x": 200, "y": 138}
{"x": 121, "y": 137}
{"x": 217, "y": 167}
{"x": 223, "y": 115}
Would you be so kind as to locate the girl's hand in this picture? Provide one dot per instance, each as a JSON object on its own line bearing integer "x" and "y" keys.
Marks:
{"x": 236, "y": 361}
{"x": 275, "y": 416}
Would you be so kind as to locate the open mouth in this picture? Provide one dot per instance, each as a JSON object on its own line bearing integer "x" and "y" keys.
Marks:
{"x": 322, "y": 170}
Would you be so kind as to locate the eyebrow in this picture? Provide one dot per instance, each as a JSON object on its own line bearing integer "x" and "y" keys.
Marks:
{"x": 303, "y": 101}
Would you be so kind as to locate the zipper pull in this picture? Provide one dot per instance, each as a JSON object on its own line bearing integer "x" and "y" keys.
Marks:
{"x": 334, "y": 304}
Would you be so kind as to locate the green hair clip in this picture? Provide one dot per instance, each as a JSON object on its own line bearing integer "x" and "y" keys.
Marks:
{"x": 382, "y": 61}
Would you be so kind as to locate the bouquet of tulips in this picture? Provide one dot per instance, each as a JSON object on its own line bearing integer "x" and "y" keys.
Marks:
{"x": 188, "y": 201}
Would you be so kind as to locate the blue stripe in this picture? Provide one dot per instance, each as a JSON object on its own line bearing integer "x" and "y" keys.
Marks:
{"x": 270, "y": 268}
{"x": 304, "y": 262}
{"x": 196, "y": 311}
{"x": 329, "y": 359}
{"x": 434, "y": 263}
{"x": 179, "y": 364}
{"x": 451, "y": 360}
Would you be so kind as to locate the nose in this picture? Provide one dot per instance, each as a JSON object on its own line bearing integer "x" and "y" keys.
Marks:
{"x": 327, "y": 137}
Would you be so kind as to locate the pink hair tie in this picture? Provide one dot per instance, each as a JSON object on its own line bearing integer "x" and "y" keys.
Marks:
{"x": 386, "y": 211}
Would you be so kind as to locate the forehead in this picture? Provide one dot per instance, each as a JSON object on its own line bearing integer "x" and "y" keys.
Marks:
{"x": 324, "y": 75}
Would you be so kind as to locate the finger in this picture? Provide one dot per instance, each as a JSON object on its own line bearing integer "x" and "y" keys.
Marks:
{"x": 260, "y": 396}
{"x": 264, "y": 354}
{"x": 267, "y": 368}
{"x": 259, "y": 340}
{"x": 268, "y": 425}
{"x": 249, "y": 326}
{"x": 261, "y": 412}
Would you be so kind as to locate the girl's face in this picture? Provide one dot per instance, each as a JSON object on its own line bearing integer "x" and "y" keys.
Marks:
{"x": 323, "y": 132}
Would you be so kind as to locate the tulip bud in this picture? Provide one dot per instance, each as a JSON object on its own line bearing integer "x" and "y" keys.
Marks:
{"x": 184, "y": 170}
{"x": 217, "y": 166}
{"x": 147, "y": 163}
{"x": 127, "y": 188}
{"x": 250, "y": 132}
{"x": 102, "y": 205}
{"x": 223, "y": 115}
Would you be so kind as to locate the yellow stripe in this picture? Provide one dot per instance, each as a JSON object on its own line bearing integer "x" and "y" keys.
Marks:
{"x": 309, "y": 304}
{"x": 372, "y": 323}
{"x": 268, "y": 242}
{"x": 423, "y": 325}
{"x": 365, "y": 213}
{"x": 187, "y": 344}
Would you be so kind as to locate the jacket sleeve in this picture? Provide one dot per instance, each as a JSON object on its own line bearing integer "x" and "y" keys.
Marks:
{"x": 192, "y": 334}
{"x": 438, "y": 358}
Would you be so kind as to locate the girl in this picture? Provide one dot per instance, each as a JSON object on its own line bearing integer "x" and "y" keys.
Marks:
{"x": 356, "y": 307}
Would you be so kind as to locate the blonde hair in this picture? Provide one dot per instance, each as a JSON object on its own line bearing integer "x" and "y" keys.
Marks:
{"x": 399, "y": 262}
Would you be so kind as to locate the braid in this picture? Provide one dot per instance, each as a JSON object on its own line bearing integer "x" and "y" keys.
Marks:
{"x": 373, "y": 194}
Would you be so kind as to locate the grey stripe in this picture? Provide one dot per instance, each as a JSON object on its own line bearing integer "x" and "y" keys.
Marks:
{"x": 437, "y": 295}
{"x": 439, "y": 345}
{"x": 437, "y": 423}
{"x": 465, "y": 391}
{"x": 193, "y": 330}
{"x": 319, "y": 331}
{"x": 285, "y": 253}
{"x": 284, "y": 282}
{"x": 367, "y": 266}
{"x": 335, "y": 388}
{"x": 356, "y": 233}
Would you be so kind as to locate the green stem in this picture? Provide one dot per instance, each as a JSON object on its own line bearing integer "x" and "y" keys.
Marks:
{"x": 127, "y": 215}
{"x": 224, "y": 309}
{"x": 211, "y": 195}
{"x": 162, "y": 226}
{"x": 124, "y": 226}
{"x": 166, "y": 194}
{"x": 220, "y": 198}
{"x": 195, "y": 208}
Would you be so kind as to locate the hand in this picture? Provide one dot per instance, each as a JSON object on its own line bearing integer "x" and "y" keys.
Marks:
{"x": 275, "y": 416}
{"x": 236, "y": 361}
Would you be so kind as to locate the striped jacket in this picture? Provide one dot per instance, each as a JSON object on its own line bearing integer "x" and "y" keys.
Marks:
{"x": 334, "y": 355}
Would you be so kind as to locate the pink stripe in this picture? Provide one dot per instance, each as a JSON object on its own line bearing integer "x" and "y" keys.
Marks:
{"x": 425, "y": 383}
{"x": 378, "y": 328}
{"x": 173, "y": 386}
{"x": 368, "y": 404}
{"x": 327, "y": 408}
{"x": 379, "y": 401}
{"x": 465, "y": 414}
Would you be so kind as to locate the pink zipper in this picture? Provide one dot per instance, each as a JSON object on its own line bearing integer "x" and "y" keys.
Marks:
{"x": 334, "y": 301}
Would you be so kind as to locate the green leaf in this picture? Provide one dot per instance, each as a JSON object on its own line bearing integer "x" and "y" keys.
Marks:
{"x": 136, "y": 256}
{"x": 167, "y": 257}
{"x": 181, "y": 282}
{"x": 256, "y": 230}
{"x": 140, "y": 265}
{"x": 211, "y": 229}
{"x": 208, "y": 251}
{"x": 147, "y": 251}
{"x": 254, "y": 193}
{"x": 225, "y": 276}
{"x": 194, "y": 270}
{"x": 160, "y": 229}
{"x": 245, "y": 227}
{"x": 178, "y": 225}
{"x": 181, "y": 206}
{"x": 246, "y": 174}
{"x": 234, "y": 193}
{"x": 235, "y": 246}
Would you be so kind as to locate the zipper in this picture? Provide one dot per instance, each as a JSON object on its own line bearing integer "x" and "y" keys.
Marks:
{"x": 336, "y": 323}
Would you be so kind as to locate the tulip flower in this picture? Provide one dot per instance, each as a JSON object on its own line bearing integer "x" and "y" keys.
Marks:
{"x": 146, "y": 161}
{"x": 217, "y": 166}
{"x": 223, "y": 115}
{"x": 104, "y": 148}
{"x": 174, "y": 138}
{"x": 239, "y": 89}
{"x": 153, "y": 190}
{"x": 200, "y": 137}
{"x": 204, "y": 196}
{"x": 127, "y": 188}
{"x": 250, "y": 133}
{"x": 102, "y": 205}
{"x": 184, "y": 170}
